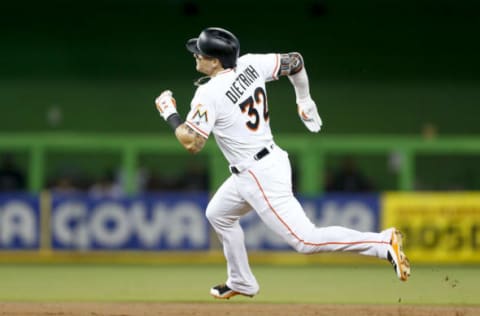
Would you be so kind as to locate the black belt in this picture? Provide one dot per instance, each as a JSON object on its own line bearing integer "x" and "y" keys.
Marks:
{"x": 262, "y": 153}
{"x": 234, "y": 170}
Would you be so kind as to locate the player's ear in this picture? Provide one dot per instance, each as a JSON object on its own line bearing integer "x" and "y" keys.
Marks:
{"x": 218, "y": 63}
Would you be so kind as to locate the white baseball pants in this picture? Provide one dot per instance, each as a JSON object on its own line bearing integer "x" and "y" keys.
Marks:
{"x": 266, "y": 187}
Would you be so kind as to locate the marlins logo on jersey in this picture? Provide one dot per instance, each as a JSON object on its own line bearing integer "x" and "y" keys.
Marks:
{"x": 199, "y": 114}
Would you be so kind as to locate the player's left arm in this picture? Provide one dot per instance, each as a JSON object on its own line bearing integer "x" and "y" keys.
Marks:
{"x": 292, "y": 65}
{"x": 190, "y": 139}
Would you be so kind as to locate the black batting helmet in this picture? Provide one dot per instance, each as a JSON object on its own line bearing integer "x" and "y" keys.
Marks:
{"x": 216, "y": 42}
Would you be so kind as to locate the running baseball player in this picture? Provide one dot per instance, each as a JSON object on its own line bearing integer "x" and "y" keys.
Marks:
{"x": 233, "y": 106}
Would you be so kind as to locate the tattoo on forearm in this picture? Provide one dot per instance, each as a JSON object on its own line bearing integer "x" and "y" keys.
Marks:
{"x": 198, "y": 141}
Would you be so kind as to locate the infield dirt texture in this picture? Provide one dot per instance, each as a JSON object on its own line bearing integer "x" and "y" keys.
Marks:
{"x": 131, "y": 290}
{"x": 230, "y": 309}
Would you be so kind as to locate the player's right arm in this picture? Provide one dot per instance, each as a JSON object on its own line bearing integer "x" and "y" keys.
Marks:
{"x": 192, "y": 140}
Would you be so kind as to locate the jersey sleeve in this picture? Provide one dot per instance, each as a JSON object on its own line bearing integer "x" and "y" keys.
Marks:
{"x": 267, "y": 64}
{"x": 202, "y": 114}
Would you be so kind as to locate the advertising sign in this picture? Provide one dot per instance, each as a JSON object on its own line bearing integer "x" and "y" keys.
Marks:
{"x": 153, "y": 222}
{"x": 19, "y": 222}
{"x": 438, "y": 227}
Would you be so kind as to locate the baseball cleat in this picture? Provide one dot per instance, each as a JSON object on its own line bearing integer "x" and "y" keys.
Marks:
{"x": 397, "y": 257}
{"x": 222, "y": 291}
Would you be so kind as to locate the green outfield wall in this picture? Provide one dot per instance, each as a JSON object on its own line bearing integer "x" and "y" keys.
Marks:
{"x": 310, "y": 154}
{"x": 403, "y": 71}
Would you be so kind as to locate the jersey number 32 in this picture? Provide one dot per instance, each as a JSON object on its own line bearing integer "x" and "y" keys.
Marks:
{"x": 251, "y": 105}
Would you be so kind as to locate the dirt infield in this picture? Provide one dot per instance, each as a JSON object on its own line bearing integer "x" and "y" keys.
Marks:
{"x": 230, "y": 309}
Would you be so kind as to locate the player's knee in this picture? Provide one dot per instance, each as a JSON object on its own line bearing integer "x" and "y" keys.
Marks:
{"x": 302, "y": 248}
{"x": 211, "y": 215}
{"x": 214, "y": 217}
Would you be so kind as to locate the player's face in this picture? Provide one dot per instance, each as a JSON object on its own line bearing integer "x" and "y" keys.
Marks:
{"x": 206, "y": 65}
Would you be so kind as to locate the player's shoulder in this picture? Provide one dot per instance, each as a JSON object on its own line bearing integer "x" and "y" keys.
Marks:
{"x": 251, "y": 58}
{"x": 245, "y": 58}
{"x": 259, "y": 60}
{"x": 264, "y": 64}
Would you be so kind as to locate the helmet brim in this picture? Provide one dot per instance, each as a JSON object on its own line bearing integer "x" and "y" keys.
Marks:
{"x": 192, "y": 46}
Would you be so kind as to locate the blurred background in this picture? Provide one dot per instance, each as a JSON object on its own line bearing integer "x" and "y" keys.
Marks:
{"x": 396, "y": 84}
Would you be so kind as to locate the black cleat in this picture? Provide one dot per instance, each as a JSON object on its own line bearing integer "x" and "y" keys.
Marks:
{"x": 222, "y": 291}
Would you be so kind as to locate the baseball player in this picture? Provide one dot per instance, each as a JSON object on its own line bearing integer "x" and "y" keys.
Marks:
{"x": 233, "y": 106}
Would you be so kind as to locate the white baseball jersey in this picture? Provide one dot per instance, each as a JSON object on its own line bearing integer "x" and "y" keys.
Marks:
{"x": 233, "y": 105}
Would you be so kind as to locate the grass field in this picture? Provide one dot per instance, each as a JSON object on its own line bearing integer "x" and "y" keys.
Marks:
{"x": 318, "y": 284}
